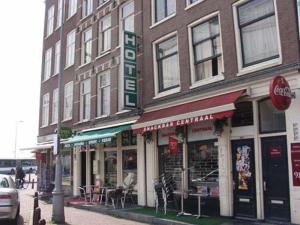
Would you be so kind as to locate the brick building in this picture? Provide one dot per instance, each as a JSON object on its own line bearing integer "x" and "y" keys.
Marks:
{"x": 203, "y": 72}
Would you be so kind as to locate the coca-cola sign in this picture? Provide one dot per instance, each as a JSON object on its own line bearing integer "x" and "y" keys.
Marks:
{"x": 280, "y": 93}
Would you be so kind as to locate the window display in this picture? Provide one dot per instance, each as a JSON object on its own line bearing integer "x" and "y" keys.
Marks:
{"x": 110, "y": 168}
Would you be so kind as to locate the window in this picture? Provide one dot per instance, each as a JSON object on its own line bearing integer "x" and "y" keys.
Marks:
{"x": 270, "y": 119}
{"x": 87, "y": 7}
{"x": 127, "y": 19}
{"x": 68, "y": 101}
{"x": 104, "y": 34}
{"x": 47, "y": 66}
{"x": 50, "y": 20}
{"x": 72, "y": 8}
{"x": 163, "y": 9}
{"x": 66, "y": 167}
{"x": 243, "y": 114}
{"x": 129, "y": 167}
{"x": 59, "y": 13}
{"x": 128, "y": 138}
{"x": 167, "y": 64}
{"x": 110, "y": 168}
{"x": 86, "y": 50}
{"x": 57, "y": 58}
{"x": 101, "y": 2}
{"x": 298, "y": 14}
{"x": 70, "y": 48}
{"x": 258, "y": 31}
{"x": 85, "y": 100}
{"x": 55, "y": 106}
{"x": 104, "y": 94}
{"x": 193, "y": 1}
{"x": 45, "y": 110}
{"x": 207, "y": 54}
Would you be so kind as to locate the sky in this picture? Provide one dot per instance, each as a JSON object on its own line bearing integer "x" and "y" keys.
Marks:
{"x": 21, "y": 39}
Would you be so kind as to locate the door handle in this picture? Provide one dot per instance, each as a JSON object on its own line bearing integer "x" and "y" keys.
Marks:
{"x": 265, "y": 186}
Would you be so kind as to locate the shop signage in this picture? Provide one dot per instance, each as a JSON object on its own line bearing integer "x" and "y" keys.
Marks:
{"x": 179, "y": 122}
{"x": 38, "y": 156}
{"x": 173, "y": 145}
{"x": 275, "y": 152}
{"x": 295, "y": 156}
{"x": 90, "y": 142}
{"x": 280, "y": 93}
{"x": 130, "y": 84}
{"x": 201, "y": 131}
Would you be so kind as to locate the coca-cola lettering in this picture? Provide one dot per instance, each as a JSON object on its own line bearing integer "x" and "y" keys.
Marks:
{"x": 285, "y": 92}
{"x": 280, "y": 93}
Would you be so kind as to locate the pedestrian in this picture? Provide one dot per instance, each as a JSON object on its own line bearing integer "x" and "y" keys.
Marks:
{"x": 20, "y": 175}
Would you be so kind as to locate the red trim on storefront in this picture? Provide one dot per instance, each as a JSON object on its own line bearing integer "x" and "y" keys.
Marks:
{"x": 187, "y": 108}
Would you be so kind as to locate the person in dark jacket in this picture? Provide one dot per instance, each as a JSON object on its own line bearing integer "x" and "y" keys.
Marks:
{"x": 20, "y": 175}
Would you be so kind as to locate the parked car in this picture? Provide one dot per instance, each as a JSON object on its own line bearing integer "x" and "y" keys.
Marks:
{"x": 9, "y": 200}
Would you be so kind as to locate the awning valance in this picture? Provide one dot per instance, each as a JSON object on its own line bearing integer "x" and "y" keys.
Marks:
{"x": 212, "y": 108}
{"x": 95, "y": 136}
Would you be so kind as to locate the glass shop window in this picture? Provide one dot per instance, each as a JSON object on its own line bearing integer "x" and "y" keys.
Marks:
{"x": 203, "y": 164}
{"x": 129, "y": 167}
{"x": 128, "y": 138}
{"x": 110, "y": 168}
{"x": 243, "y": 114}
{"x": 111, "y": 144}
{"x": 66, "y": 168}
{"x": 270, "y": 119}
{"x": 171, "y": 163}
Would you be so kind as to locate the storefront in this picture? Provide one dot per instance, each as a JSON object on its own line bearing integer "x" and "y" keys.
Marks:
{"x": 238, "y": 147}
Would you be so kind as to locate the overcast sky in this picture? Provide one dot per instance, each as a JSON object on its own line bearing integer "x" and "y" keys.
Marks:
{"x": 21, "y": 23}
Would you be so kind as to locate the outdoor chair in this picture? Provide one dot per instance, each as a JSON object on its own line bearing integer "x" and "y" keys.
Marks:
{"x": 116, "y": 196}
{"x": 128, "y": 183}
{"x": 98, "y": 194}
{"x": 84, "y": 194}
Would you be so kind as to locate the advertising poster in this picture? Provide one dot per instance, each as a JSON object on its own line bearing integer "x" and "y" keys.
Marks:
{"x": 243, "y": 166}
{"x": 295, "y": 156}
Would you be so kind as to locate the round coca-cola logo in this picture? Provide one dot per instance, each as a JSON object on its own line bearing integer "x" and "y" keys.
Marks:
{"x": 280, "y": 93}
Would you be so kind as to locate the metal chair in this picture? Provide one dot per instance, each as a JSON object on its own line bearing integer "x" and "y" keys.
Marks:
{"x": 115, "y": 196}
{"x": 84, "y": 194}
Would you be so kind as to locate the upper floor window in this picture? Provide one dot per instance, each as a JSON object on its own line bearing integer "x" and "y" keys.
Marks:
{"x": 207, "y": 54}
{"x": 167, "y": 64}
{"x": 127, "y": 17}
{"x": 47, "y": 66}
{"x": 298, "y": 13}
{"x": 192, "y": 1}
{"x": 87, "y": 7}
{"x": 68, "y": 100}
{"x": 70, "y": 48}
{"x": 50, "y": 20}
{"x": 258, "y": 32}
{"x": 72, "y": 8}
{"x": 85, "y": 100}
{"x": 59, "y": 13}
{"x": 86, "y": 49}
{"x": 101, "y": 2}
{"x": 57, "y": 58}
{"x": 45, "y": 110}
{"x": 55, "y": 106}
{"x": 104, "y": 94}
{"x": 163, "y": 9}
{"x": 104, "y": 34}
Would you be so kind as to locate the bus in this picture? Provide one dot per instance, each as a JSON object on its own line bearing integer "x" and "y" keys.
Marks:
{"x": 8, "y": 166}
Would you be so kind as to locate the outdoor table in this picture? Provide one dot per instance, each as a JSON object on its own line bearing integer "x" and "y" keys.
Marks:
{"x": 198, "y": 195}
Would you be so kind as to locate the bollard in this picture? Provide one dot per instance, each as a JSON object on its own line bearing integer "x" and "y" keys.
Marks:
{"x": 36, "y": 194}
{"x": 35, "y": 203}
{"x": 36, "y": 216}
{"x": 42, "y": 222}
{"x": 32, "y": 184}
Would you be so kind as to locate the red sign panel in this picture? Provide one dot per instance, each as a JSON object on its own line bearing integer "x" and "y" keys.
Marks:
{"x": 173, "y": 145}
{"x": 38, "y": 156}
{"x": 275, "y": 151}
{"x": 295, "y": 153}
{"x": 280, "y": 93}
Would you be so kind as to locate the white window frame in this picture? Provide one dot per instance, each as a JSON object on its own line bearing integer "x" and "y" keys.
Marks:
{"x": 85, "y": 109}
{"x": 87, "y": 8}
{"x": 121, "y": 18}
{"x": 102, "y": 2}
{"x": 70, "y": 49}
{"x": 59, "y": 13}
{"x": 156, "y": 23}
{"x": 72, "y": 9}
{"x": 99, "y": 91}
{"x": 48, "y": 64}
{"x": 45, "y": 110}
{"x": 68, "y": 101}
{"x": 155, "y": 66}
{"x": 213, "y": 79}
{"x": 57, "y": 58}
{"x": 190, "y": 5}
{"x": 259, "y": 66}
{"x": 50, "y": 20}
{"x": 84, "y": 46}
{"x": 100, "y": 34}
{"x": 54, "y": 118}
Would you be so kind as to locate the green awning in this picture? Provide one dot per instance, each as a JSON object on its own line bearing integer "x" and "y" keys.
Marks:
{"x": 95, "y": 136}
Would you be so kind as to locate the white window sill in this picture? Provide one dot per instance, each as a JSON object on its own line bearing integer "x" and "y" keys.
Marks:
{"x": 260, "y": 66}
{"x": 44, "y": 126}
{"x": 46, "y": 80}
{"x": 166, "y": 93}
{"x": 102, "y": 54}
{"x": 83, "y": 65}
{"x": 207, "y": 81}
{"x": 66, "y": 120}
{"x": 67, "y": 67}
{"x": 101, "y": 117}
{"x": 193, "y": 4}
{"x": 83, "y": 121}
{"x": 48, "y": 35}
{"x": 53, "y": 123}
{"x": 102, "y": 5}
{"x": 86, "y": 16}
{"x": 69, "y": 17}
{"x": 54, "y": 75}
{"x": 123, "y": 111}
{"x": 162, "y": 21}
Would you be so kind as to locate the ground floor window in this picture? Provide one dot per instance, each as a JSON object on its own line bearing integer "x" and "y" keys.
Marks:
{"x": 66, "y": 167}
{"x": 129, "y": 167}
{"x": 110, "y": 168}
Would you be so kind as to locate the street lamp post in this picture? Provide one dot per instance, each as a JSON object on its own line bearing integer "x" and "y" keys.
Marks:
{"x": 58, "y": 214}
{"x": 16, "y": 138}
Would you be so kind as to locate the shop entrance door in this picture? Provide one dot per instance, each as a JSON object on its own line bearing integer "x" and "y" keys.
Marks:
{"x": 275, "y": 178}
{"x": 243, "y": 171}
{"x": 83, "y": 168}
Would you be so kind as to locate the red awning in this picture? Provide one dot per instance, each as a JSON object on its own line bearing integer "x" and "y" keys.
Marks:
{"x": 212, "y": 108}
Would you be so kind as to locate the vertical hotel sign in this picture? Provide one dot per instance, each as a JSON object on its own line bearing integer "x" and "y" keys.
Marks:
{"x": 130, "y": 83}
